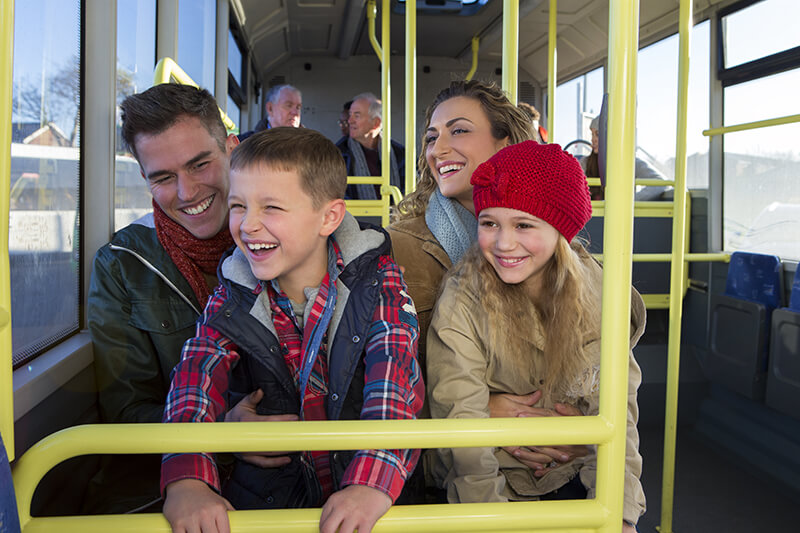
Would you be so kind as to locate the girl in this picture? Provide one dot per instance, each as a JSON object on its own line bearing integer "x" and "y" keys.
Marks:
{"x": 520, "y": 313}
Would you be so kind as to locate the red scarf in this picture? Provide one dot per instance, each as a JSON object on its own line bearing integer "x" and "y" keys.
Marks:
{"x": 193, "y": 257}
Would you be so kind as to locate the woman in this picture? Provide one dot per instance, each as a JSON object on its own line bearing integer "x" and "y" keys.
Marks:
{"x": 521, "y": 312}
{"x": 465, "y": 125}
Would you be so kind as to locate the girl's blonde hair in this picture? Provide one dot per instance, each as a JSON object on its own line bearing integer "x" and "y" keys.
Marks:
{"x": 506, "y": 119}
{"x": 565, "y": 305}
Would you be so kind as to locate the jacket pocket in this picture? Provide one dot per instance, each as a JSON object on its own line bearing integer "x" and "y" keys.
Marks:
{"x": 165, "y": 317}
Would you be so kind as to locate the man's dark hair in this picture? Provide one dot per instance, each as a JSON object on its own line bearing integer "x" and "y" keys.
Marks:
{"x": 160, "y": 107}
{"x": 318, "y": 162}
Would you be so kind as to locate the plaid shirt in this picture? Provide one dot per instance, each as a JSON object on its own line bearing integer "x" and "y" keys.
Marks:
{"x": 393, "y": 387}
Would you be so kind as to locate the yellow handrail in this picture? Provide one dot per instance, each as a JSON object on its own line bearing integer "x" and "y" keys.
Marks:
{"x": 552, "y": 62}
{"x": 789, "y": 119}
{"x": 386, "y": 98}
{"x": 511, "y": 49}
{"x": 475, "y": 45}
{"x": 6, "y": 82}
{"x": 371, "y": 14}
{"x": 344, "y": 435}
{"x": 167, "y": 70}
{"x": 595, "y": 182}
{"x": 678, "y": 272}
{"x": 411, "y": 99}
{"x": 623, "y": 31}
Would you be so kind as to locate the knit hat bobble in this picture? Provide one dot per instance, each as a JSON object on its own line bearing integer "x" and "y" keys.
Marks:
{"x": 540, "y": 179}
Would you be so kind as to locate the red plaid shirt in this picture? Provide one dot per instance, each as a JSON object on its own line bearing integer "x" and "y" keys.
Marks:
{"x": 393, "y": 387}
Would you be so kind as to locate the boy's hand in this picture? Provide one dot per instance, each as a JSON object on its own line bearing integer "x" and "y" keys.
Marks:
{"x": 192, "y": 507}
{"x": 245, "y": 411}
{"x": 353, "y": 507}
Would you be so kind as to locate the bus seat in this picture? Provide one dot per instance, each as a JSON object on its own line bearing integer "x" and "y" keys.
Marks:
{"x": 9, "y": 521}
{"x": 783, "y": 379}
{"x": 740, "y": 321}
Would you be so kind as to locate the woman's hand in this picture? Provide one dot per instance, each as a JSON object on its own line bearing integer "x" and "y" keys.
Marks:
{"x": 541, "y": 459}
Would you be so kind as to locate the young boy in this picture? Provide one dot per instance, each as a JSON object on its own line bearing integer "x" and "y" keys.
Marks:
{"x": 312, "y": 312}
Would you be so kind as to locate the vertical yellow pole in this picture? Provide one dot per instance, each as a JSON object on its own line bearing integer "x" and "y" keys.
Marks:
{"x": 552, "y": 68}
{"x": 371, "y": 13}
{"x": 475, "y": 45}
{"x": 386, "y": 145}
{"x": 6, "y": 80}
{"x": 511, "y": 48}
{"x": 411, "y": 97}
{"x": 677, "y": 272}
{"x": 623, "y": 30}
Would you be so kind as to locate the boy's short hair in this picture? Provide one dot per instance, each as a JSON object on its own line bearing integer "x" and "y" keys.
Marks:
{"x": 318, "y": 162}
{"x": 158, "y": 108}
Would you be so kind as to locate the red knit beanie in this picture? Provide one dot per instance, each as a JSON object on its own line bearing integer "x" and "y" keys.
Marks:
{"x": 540, "y": 179}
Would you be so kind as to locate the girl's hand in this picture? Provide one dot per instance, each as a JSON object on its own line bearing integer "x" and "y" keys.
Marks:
{"x": 541, "y": 459}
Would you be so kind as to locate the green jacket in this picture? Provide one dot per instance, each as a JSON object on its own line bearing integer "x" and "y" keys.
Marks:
{"x": 141, "y": 311}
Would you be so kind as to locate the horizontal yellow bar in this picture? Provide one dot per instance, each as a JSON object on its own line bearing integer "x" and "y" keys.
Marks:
{"x": 667, "y": 257}
{"x": 656, "y": 301}
{"x": 595, "y": 182}
{"x": 364, "y": 180}
{"x": 365, "y": 211}
{"x": 640, "y": 209}
{"x": 752, "y": 125}
{"x": 553, "y": 516}
{"x": 362, "y": 204}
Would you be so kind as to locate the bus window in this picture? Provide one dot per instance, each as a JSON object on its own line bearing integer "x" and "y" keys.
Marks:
{"x": 136, "y": 52}
{"x": 197, "y": 35}
{"x": 761, "y": 196}
{"x": 760, "y": 30}
{"x": 657, "y": 106}
{"x": 578, "y": 101}
{"x": 45, "y": 157}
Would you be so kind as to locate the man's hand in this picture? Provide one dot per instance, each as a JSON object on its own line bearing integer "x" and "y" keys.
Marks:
{"x": 192, "y": 507}
{"x": 245, "y": 411}
{"x": 541, "y": 459}
{"x": 355, "y": 507}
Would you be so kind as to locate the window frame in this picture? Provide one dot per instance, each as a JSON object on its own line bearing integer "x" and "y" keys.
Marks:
{"x": 757, "y": 68}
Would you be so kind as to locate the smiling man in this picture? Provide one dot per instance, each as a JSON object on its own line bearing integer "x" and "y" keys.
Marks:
{"x": 151, "y": 282}
{"x": 362, "y": 149}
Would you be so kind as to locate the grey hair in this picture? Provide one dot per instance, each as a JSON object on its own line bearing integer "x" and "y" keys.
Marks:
{"x": 275, "y": 92}
{"x": 375, "y": 107}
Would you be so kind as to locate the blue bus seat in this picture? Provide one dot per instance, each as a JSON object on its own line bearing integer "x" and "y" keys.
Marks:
{"x": 9, "y": 520}
{"x": 739, "y": 323}
{"x": 783, "y": 379}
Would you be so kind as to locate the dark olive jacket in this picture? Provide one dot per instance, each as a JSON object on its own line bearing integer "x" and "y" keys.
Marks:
{"x": 140, "y": 312}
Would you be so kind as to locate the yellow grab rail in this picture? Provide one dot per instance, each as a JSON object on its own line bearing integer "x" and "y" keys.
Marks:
{"x": 552, "y": 62}
{"x": 344, "y": 435}
{"x": 511, "y": 49}
{"x": 411, "y": 99}
{"x": 371, "y": 14}
{"x": 6, "y": 82}
{"x": 789, "y": 119}
{"x": 595, "y": 182}
{"x": 167, "y": 70}
{"x": 623, "y": 31}
{"x": 475, "y": 45}
{"x": 679, "y": 281}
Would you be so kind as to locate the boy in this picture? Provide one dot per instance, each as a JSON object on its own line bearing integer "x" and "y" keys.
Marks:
{"x": 312, "y": 311}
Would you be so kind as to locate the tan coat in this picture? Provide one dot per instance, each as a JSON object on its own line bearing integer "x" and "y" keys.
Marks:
{"x": 425, "y": 262}
{"x": 462, "y": 373}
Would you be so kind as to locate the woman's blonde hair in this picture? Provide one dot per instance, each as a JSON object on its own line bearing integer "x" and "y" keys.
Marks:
{"x": 564, "y": 304}
{"x": 506, "y": 119}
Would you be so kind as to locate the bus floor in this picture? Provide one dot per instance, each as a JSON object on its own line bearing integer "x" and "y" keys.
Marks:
{"x": 714, "y": 492}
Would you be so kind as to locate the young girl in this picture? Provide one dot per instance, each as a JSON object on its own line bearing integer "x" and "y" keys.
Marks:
{"x": 521, "y": 313}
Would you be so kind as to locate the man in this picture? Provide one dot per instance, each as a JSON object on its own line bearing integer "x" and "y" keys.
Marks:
{"x": 284, "y": 105}
{"x": 362, "y": 149}
{"x": 151, "y": 282}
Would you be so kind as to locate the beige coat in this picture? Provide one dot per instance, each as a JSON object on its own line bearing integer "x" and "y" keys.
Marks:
{"x": 425, "y": 262}
{"x": 462, "y": 373}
